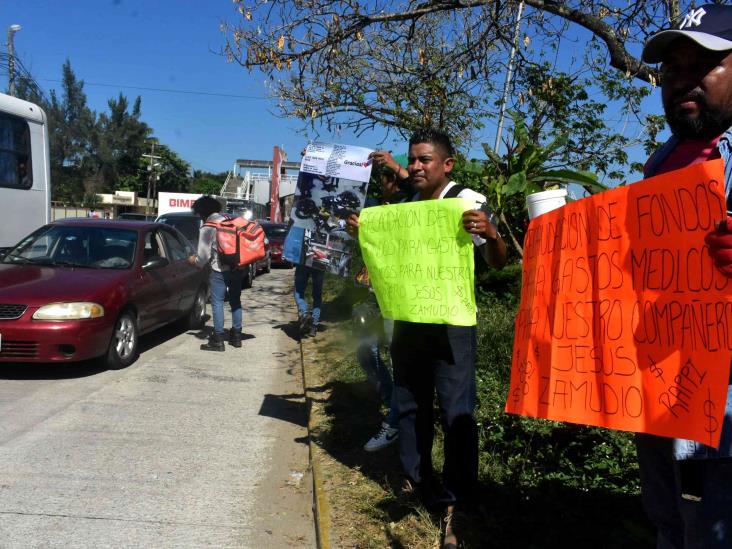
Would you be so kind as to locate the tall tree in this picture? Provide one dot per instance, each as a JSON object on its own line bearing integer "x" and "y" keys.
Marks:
{"x": 72, "y": 133}
{"x": 405, "y": 63}
{"x": 173, "y": 170}
{"x": 204, "y": 182}
{"x": 122, "y": 141}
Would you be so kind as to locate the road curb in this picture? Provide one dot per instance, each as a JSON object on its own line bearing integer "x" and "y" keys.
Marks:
{"x": 321, "y": 507}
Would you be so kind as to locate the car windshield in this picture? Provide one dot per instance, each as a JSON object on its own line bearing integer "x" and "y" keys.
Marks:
{"x": 275, "y": 230}
{"x": 68, "y": 246}
{"x": 189, "y": 226}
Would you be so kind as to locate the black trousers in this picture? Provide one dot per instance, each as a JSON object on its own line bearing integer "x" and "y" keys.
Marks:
{"x": 429, "y": 359}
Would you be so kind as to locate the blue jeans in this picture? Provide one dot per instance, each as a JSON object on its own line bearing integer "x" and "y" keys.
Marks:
{"x": 369, "y": 357}
{"x": 302, "y": 275}
{"x": 684, "y": 523}
{"x": 218, "y": 283}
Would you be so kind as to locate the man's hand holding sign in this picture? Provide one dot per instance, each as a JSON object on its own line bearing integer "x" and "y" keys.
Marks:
{"x": 624, "y": 320}
{"x": 720, "y": 246}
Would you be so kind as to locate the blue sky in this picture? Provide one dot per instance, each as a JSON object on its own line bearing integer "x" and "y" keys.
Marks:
{"x": 171, "y": 45}
{"x": 165, "y": 44}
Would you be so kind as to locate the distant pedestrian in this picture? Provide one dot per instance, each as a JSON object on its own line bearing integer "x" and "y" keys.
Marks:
{"x": 308, "y": 320}
{"x": 220, "y": 278}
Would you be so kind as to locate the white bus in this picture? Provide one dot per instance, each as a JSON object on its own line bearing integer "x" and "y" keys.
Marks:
{"x": 25, "y": 173}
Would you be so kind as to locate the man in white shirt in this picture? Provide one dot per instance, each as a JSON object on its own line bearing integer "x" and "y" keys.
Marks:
{"x": 439, "y": 358}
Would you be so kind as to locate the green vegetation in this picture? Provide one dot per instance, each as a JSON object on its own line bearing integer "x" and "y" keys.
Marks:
{"x": 542, "y": 483}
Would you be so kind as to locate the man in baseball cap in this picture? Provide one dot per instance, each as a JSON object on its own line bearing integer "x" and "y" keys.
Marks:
{"x": 687, "y": 486}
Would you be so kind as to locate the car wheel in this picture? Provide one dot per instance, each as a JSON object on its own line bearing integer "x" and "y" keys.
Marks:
{"x": 195, "y": 317}
{"x": 268, "y": 268}
{"x": 246, "y": 279}
{"x": 123, "y": 347}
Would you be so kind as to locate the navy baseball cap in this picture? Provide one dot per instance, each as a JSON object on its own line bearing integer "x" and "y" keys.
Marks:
{"x": 709, "y": 25}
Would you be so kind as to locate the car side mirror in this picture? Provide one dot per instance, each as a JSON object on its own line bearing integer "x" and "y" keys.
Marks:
{"x": 155, "y": 262}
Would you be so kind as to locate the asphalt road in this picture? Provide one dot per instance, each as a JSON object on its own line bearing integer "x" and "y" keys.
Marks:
{"x": 185, "y": 448}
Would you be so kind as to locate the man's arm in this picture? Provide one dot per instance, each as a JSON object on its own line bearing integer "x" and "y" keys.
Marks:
{"x": 384, "y": 158}
{"x": 206, "y": 239}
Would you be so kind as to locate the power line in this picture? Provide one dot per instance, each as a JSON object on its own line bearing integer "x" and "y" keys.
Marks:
{"x": 164, "y": 90}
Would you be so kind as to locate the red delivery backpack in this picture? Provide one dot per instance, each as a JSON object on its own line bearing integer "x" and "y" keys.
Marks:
{"x": 239, "y": 241}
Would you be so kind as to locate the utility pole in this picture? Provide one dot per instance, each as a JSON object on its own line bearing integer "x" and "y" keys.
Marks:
{"x": 509, "y": 75}
{"x": 152, "y": 177}
{"x": 12, "y": 29}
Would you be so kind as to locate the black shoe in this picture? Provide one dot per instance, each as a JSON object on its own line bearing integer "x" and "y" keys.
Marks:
{"x": 433, "y": 496}
{"x": 235, "y": 338}
{"x": 313, "y": 330}
{"x": 304, "y": 323}
{"x": 215, "y": 343}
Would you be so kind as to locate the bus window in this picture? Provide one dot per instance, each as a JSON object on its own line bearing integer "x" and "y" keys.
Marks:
{"x": 15, "y": 157}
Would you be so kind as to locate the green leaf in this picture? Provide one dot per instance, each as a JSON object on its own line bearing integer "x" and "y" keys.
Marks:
{"x": 572, "y": 176}
{"x": 515, "y": 184}
{"x": 491, "y": 154}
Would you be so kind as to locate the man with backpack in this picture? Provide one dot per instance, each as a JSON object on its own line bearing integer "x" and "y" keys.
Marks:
{"x": 440, "y": 358}
{"x": 221, "y": 276}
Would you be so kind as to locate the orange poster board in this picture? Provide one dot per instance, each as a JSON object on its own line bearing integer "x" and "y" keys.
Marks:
{"x": 624, "y": 321}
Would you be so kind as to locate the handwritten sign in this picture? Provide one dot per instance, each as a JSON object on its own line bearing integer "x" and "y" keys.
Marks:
{"x": 624, "y": 321}
{"x": 420, "y": 261}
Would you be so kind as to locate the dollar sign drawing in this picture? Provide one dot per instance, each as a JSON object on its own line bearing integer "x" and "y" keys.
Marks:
{"x": 712, "y": 423}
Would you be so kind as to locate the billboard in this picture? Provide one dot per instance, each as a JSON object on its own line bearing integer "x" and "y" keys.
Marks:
{"x": 176, "y": 202}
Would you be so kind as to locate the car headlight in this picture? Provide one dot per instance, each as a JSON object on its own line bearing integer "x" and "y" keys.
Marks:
{"x": 69, "y": 311}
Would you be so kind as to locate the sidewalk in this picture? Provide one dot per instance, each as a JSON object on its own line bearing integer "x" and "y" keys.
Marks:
{"x": 185, "y": 448}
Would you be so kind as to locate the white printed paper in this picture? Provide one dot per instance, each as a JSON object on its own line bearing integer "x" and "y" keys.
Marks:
{"x": 333, "y": 160}
{"x": 331, "y": 186}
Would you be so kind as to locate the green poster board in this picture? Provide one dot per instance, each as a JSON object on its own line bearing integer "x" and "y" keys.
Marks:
{"x": 420, "y": 260}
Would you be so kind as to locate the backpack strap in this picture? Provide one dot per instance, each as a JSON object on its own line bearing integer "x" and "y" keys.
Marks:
{"x": 454, "y": 191}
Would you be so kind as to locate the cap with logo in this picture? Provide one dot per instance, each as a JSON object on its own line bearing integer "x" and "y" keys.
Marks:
{"x": 709, "y": 25}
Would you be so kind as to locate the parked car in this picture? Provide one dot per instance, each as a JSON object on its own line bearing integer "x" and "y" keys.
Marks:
{"x": 276, "y": 233}
{"x": 82, "y": 288}
{"x": 190, "y": 225}
{"x": 136, "y": 216}
{"x": 264, "y": 265}
{"x": 186, "y": 222}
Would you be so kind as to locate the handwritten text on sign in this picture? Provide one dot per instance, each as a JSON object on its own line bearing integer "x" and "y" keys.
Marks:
{"x": 420, "y": 261}
{"x": 624, "y": 321}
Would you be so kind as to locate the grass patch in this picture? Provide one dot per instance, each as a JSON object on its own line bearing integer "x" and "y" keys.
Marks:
{"x": 542, "y": 483}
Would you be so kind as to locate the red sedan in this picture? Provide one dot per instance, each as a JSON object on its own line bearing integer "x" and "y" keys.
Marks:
{"x": 82, "y": 288}
{"x": 276, "y": 233}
